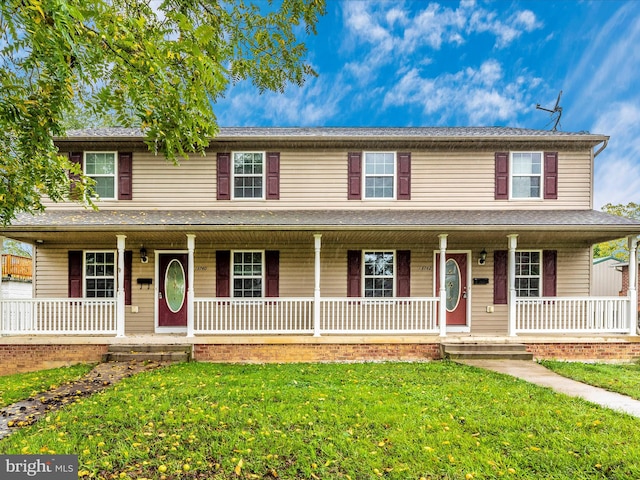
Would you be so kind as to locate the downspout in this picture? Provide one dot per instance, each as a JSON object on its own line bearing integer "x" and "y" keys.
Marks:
{"x": 605, "y": 142}
{"x": 599, "y": 151}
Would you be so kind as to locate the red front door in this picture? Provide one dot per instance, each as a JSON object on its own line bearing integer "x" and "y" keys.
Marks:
{"x": 456, "y": 287}
{"x": 172, "y": 289}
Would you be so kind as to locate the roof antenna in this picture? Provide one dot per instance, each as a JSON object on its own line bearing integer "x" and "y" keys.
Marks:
{"x": 557, "y": 110}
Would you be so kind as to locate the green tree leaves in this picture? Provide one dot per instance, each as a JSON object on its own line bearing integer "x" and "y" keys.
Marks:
{"x": 617, "y": 248}
{"x": 156, "y": 67}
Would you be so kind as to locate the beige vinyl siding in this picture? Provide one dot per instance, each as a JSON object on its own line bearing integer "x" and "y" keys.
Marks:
{"x": 573, "y": 279}
{"x": 318, "y": 179}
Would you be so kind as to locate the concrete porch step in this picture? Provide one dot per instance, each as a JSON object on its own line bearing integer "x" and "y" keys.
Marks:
{"x": 155, "y": 353}
{"x": 485, "y": 351}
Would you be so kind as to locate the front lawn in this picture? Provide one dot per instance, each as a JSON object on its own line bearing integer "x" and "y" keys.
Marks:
{"x": 24, "y": 385}
{"x": 435, "y": 420}
{"x": 620, "y": 378}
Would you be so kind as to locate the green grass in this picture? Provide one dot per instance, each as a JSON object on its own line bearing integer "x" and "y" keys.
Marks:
{"x": 24, "y": 385}
{"x": 434, "y": 420}
{"x": 620, "y": 378}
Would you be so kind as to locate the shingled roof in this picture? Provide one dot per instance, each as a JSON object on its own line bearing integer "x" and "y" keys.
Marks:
{"x": 83, "y": 220}
{"x": 333, "y": 133}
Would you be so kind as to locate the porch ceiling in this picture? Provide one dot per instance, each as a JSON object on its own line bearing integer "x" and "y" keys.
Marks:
{"x": 242, "y": 226}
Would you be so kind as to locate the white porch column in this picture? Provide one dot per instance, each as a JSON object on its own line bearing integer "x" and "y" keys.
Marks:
{"x": 120, "y": 295}
{"x": 633, "y": 281}
{"x": 442, "y": 306}
{"x": 191, "y": 244}
{"x": 513, "y": 243}
{"x": 316, "y": 288}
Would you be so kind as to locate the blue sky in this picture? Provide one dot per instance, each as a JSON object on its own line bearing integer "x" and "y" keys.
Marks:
{"x": 471, "y": 63}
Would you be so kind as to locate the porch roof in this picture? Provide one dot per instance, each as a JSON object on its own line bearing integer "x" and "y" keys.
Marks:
{"x": 577, "y": 225}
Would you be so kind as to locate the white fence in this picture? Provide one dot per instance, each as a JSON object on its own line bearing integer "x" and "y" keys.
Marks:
{"x": 572, "y": 315}
{"x": 296, "y": 316}
{"x": 390, "y": 315}
{"x": 259, "y": 316}
{"x": 58, "y": 316}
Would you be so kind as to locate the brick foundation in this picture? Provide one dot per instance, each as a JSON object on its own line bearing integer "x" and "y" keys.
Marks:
{"x": 601, "y": 352}
{"x": 26, "y": 358}
{"x": 29, "y": 358}
{"x": 284, "y": 353}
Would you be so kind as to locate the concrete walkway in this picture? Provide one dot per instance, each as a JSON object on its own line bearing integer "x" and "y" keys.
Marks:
{"x": 535, "y": 373}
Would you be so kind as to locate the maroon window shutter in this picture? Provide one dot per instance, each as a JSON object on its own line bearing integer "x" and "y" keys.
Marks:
{"x": 549, "y": 270}
{"x": 272, "y": 277}
{"x": 403, "y": 275}
{"x": 125, "y": 167}
{"x": 273, "y": 176}
{"x": 354, "y": 276}
{"x": 75, "y": 273}
{"x": 224, "y": 176}
{"x": 74, "y": 157}
{"x": 223, "y": 273}
{"x": 500, "y": 277}
{"x": 355, "y": 176}
{"x": 128, "y": 266}
{"x": 404, "y": 176}
{"x": 551, "y": 175}
{"x": 502, "y": 176}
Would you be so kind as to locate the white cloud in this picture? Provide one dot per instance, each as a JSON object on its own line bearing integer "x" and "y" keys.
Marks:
{"x": 617, "y": 172}
{"x": 608, "y": 69}
{"x": 505, "y": 31}
{"x": 482, "y": 95}
{"x": 402, "y": 31}
{"x": 318, "y": 100}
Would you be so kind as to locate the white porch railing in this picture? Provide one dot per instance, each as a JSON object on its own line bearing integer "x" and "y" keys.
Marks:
{"x": 295, "y": 315}
{"x": 259, "y": 316}
{"x": 49, "y": 316}
{"x": 368, "y": 315}
{"x": 572, "y": 315}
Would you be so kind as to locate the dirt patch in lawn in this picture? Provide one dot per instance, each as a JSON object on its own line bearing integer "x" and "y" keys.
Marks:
{"x": 26, "y": 412}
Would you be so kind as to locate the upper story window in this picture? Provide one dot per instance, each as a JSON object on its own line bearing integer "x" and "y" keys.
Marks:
{"x": 102, "y": 167}
{"x": 526, "y": 175}
{"x": 248, "y": 175}
{"x": 379, "y": 174}
{"x": 528, "y": 273}
{"x": 247, "y": 270}
{"x": 99, "y": 274}
{"x": 379, "y": 274}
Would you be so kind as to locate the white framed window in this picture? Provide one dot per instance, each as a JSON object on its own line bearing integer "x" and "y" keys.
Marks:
{"x": 379, "y": 273}
{"x": 248, "y": 175}
{"x": 247, "y": 274}
{"x": 102, "y": 167}
{"x": 526, "y": 175}
{"x": 99, "y": 274}
{"x": 379, "y": 175}
{"x": 528, "y": 282}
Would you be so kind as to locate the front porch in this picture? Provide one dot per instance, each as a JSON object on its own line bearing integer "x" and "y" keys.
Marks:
{"x": 311, "y": 281}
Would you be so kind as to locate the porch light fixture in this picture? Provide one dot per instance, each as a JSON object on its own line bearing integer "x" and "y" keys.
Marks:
{"x": 143, "y": 255}
{"x": 483, "y": 257}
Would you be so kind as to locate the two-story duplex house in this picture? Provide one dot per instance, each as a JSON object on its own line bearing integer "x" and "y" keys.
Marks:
{"x": 327, "y": 243}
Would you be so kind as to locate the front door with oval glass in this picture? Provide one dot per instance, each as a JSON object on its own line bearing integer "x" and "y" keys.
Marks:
{"x": 172, "y": 290}
{"x": 455, "y": 286}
